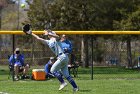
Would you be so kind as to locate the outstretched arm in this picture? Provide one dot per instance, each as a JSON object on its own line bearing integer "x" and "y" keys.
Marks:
{"x": 38, "y": 38}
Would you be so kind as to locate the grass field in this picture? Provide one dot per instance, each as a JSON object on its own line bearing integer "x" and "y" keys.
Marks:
{"x": 106, "y": 81}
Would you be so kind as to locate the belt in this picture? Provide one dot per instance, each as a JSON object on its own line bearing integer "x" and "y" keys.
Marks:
{"x": 60, "y": 54}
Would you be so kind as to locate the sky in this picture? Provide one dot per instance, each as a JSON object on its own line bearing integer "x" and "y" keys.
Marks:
{"x": 22, "y": 1}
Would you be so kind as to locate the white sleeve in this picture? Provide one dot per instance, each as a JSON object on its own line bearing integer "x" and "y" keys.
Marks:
{"x": 46, "y": 42}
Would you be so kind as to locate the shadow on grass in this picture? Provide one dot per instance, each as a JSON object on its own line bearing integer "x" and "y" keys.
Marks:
{"x": 81, "y": 90}
{"x": 98, "y": 72}
{"x": 107, "y": 70}
{"x": 86, "y": 90}
{"x": 4, "y": 72}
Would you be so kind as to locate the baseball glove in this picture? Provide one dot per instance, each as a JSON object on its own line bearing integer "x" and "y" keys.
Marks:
{"x": 27, "y": 29}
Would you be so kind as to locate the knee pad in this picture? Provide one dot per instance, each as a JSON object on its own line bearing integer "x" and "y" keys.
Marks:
{"x": 56, "y": 74}
{"x": 16, "y": 65}
{"x": 27, "y": 65}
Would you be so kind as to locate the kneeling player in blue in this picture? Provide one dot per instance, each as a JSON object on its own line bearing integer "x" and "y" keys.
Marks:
{"x": 61, "y": 64}
{"x": 48, "y": 67}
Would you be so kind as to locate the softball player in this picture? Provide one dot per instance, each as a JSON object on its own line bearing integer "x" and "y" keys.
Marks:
{"x": 61, "y": 64}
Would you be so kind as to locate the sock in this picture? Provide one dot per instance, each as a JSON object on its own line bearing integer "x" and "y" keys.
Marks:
{"x": 59, "y": 77}
{"x": 71, "y": 81}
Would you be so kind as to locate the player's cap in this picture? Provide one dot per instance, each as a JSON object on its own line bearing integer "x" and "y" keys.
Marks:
{"x": 63, "y": 35}
{"x": 17, "y": 49}
{"x": 50, "y": 32}
{"x": 51, "y": 58}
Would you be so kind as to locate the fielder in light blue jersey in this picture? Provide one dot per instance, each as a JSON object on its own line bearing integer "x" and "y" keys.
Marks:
{"x": 61, "y": 64}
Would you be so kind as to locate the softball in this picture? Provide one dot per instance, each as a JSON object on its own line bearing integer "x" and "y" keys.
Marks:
{"x": 22, "y": 5}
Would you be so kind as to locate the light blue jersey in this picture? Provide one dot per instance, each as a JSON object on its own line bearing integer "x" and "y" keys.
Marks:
{"x": 55, "y": 46}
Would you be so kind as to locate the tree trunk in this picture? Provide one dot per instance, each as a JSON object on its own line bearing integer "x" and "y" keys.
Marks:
{"x": 84, "y": 51}
{"x": 129, "y": 54}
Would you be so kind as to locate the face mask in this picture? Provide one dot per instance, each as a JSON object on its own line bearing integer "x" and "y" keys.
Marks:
{"x": 17, "y": 52}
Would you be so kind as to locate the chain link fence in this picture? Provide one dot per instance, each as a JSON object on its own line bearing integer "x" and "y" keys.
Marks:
{"x": 108, "y": 55}
{"x": 114, "y": 53}
{"x": 34, "y": 51}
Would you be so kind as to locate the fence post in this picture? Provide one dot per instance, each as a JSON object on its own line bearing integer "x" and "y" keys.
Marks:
{"x": 92, "y": 58}
{"x": 13, "y": 48}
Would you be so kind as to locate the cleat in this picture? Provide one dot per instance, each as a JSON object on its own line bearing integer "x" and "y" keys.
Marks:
{"x": 75, "y": 89}
{"x": 16, "y": 78}
{"x": 62, "y": 86}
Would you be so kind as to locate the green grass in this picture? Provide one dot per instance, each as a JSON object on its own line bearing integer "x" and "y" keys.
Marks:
{"x": 106, "y": 81}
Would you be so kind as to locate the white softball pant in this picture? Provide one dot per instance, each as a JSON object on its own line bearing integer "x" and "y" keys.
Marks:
{"x": 61, "y": 64}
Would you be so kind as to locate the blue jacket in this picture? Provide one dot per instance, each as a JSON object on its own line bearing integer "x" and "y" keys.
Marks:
{"x": 17, "y": 60}
{"x": 67, "y": 46}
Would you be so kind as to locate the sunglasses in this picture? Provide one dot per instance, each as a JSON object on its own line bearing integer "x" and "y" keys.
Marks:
{"x": 17, "y": 52}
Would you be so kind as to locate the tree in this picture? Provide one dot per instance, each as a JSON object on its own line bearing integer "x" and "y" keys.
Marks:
{"x": 129, "y": 12}
{"x": 92, "y": 15}
{"x": 63, "y": 14}
{"x": 118, "y": 15}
